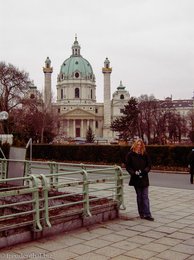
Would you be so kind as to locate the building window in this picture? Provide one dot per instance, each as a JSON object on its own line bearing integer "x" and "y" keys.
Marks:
{"x": 58, "y": 110}
{"x": 96, "y": 110}
{"x": 121, "y": 110}
{"x": 91, "y": 94}
{"x": 77, "y": 93}
{"x": 77, "y": 75}
{"x": 96, "y": 124}
{"x": 121, "y": 96}
{"x": 61, "y": 93}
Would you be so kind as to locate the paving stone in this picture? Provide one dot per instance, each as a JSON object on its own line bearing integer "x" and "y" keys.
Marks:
{"x": 127, "y": 233}
{"x": 80, "y": 249}
{"x": 176, "y": 225}
{"x": 189, "y": 242}
{"x": 113, "y": 237}
{"x": 91, "y": 256}
{"x": 31, "y": 250}
{"x": 97, "y": 243}
{"x": 155, "y": 247}
{"x": 69, "y": 240}
{"x": 153, "y": 224}
{"x": 123, "y": 257}
{"x": 141, "y": 228}
{"x": 185, "y": 221}
{"x": 140, "y": 253}
{"x": 128, "y": 223}
{"x": 153, "y": 234}
{"x": 167, "y": 230}
{"x": 110, "y": 251}
{"x": 115, "y": 227}
{"x": 170, "y": 255}
{"x": 191, "y": 257}
{"x": 183, "y": 248}
{"x": 102, "y": 231}
{"x": 87, "y": 235}
{"x": 55, "y": 245}
{"x": 168, "y": 241}
{"x": 188, "y": 230}
{"x": 140, "y": 239}
{"x": 164, "y": 220}
{"x": 180, "y": 235}
{"x": 126, "y": 245}
{"x": 62, "y": 254}
{"x": 154, "y": 258}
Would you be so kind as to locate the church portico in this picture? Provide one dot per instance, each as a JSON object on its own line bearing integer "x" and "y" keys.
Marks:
{"x": 77, "y": 127}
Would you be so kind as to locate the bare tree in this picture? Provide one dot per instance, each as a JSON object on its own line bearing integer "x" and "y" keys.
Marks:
{"x": 148, "y": 107}
{"x": 13, "y": 86}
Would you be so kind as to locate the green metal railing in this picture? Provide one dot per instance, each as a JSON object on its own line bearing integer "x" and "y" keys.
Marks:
{"x": 12, "y": 199}
{"x": 53, "y": 190}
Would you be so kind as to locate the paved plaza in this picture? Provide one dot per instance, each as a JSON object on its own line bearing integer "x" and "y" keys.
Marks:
{"x": 170, "y": 236}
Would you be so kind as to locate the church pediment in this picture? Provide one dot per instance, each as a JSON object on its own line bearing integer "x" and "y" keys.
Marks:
{"x": 79, "y": 113}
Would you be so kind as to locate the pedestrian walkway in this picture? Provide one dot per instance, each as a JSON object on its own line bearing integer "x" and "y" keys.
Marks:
{"x": 170, "y": 236}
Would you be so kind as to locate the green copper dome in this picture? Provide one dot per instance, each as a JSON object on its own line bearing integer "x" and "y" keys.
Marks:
{"x": 76, "y": 67}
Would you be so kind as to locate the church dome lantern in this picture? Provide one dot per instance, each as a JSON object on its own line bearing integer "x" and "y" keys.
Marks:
{"x": 76, "y": 67}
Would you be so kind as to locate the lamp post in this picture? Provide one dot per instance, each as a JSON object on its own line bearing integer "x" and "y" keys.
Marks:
{"x": 3, "y": 115}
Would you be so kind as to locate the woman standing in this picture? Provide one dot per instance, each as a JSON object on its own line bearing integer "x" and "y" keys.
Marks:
{"x": 191, "y": 165}
{"x": 138, "y": 165}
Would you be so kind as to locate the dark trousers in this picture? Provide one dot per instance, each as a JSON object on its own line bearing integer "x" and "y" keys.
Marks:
{"x": 191, "y": 174}
{"x": 143, "y": 203}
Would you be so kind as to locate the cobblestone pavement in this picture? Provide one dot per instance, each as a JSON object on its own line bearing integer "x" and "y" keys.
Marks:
{"x": 170, "y": 236}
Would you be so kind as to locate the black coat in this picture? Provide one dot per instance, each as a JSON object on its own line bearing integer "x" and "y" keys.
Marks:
{"x": 136, "y": 162}
{"x": 190, "y": 159}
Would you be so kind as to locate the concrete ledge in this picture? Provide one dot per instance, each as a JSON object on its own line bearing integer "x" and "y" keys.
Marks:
{"x": 60, "y": 224}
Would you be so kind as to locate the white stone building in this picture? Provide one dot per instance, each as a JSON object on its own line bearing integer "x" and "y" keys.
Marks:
{"x": 76, "y": 104}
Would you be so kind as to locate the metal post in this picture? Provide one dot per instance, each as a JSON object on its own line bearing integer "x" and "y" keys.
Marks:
{"x": 119, "y": 187}
{"x": 86, "y": 195}
{"x": 30, "y": 143}
{"x": 36, "y": 206}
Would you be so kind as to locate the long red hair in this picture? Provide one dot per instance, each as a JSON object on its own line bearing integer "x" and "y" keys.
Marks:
{"x": 136, "y": 144}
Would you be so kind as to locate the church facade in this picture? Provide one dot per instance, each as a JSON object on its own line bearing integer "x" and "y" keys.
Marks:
{"x": 76, "y": 105}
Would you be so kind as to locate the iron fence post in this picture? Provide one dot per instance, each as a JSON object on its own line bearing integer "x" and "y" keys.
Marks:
{"x": 86, "y": 204}
{"x": 36, "y": 205}
{"x": 45, "y": 189}
{"x": 119, "y": 187}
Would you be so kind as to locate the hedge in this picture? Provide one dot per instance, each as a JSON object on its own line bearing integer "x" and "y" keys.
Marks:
{"x": 114, "y": 154}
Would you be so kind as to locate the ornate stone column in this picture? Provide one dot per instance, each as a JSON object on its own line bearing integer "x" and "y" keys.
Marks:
{"x": 47, "y": 83}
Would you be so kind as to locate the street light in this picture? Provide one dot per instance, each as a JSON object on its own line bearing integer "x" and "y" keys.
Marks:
{"x": 3, "y": 115}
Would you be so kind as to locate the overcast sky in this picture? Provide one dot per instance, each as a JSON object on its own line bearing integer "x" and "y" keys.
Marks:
{"x": 150, "y": 43}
